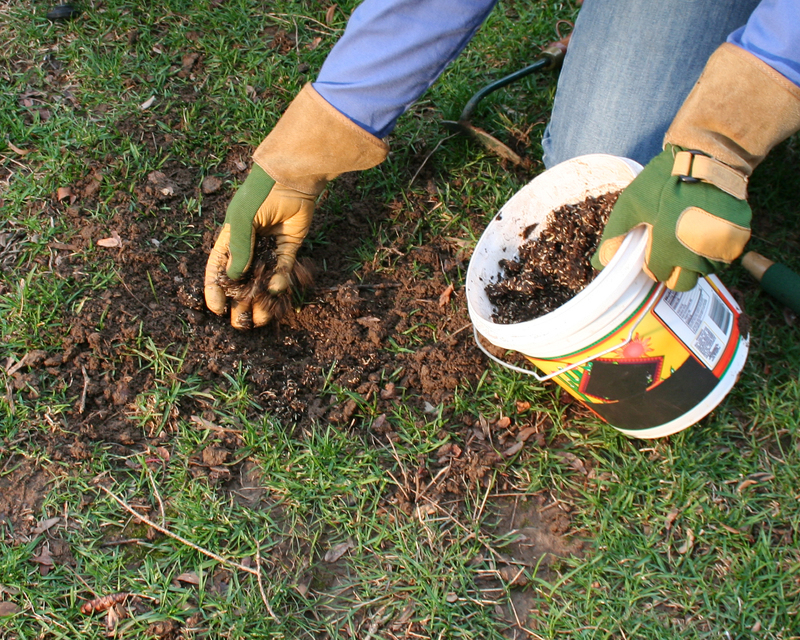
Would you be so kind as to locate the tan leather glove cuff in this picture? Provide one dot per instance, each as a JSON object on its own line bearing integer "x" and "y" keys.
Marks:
{"x": 312, "y": 143}
{"x": 739, "y": 109}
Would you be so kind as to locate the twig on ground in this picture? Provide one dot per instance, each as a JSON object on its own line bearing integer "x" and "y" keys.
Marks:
{"x": 157, "y": 494}
{"x": 82, "y": 406}
{"x": 230, "y": 563}
{"x": 175, "y": 536}
{"x": 428, "y": 157}
{"x": 261, "y": 585}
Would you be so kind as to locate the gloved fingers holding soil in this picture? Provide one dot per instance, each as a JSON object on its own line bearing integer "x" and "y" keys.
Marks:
{"x": 263, "y": 293}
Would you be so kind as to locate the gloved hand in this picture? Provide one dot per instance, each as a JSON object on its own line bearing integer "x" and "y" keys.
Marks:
{"x": 310, "y": 145}
{"x": 260, "y": 207}
{"x": 694, "y": 203}
{"x": 693, "y": 227}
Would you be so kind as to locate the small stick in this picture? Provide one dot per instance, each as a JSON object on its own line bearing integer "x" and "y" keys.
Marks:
{"x": 256, "y": 572}
{"x": 175, "y": 536}
{"x": 261, "y": 585}
{"x": 158, "y": 496}
{"x": 82, "y": 406}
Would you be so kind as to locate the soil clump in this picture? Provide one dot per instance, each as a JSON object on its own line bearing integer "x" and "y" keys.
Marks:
{"x": 553, "y": 267}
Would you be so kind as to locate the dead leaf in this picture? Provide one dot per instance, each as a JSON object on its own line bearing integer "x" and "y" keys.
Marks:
{"x": 314, "y": 43}
{"x": 44, "y": 560}
{"x": 190, "y": 577}
{"x": 44, "y": 525}
{"x": 8, "y": 609}
{"x": 63, "y": 193}
{"x": 113, "y": 616}
{"x": 522, "y": 406}
{"x": 744, "y": 484}
{"x": 110, "y": 243}
{"x": 330, "y": 13}
{"x": 503, "y": 423}
{"x": 523, "y": 435}
{"x": 445, "y": 296}
{"x": 670, "y": 519}
{"x": 147, "y": 103}
{"x": 16, "y": 149}
{"x": 379, "y": 422}
{"x": 338, "y": 551}
{"x": 573, "y": 461}
{"x": 513, "y": 449}
{"x": 687, "y": 545}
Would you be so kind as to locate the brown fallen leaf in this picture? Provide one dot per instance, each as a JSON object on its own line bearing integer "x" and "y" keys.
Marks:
{"x": 314, "y": 43}
{"x": 378, "y": 423}
{"x": 63, "y": 193}
{"x": 503, "y": 423}
{"x": 330, "y": 13}
{"x": 8, "y": 609}
{"x": 573, "y": 461}
{"x": 110, "y": 243}
{"x": 523, "y": 435}
{"x": 513, "y": 449}
{"x": 16, "y": 149}
{"x": 44, "y": 560}
{"x": 338, "y": 551}
{"x": 670, "y": 519}
{"x": 189, "y": 577}
{"x": 445, "y": 296}
{"x": 687, "y": 545}
{"x": 44, "y": 525}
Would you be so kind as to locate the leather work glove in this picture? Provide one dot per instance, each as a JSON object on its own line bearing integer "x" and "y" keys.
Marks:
{"x": 311, "y": 144}
{"x": 692, "y": 197}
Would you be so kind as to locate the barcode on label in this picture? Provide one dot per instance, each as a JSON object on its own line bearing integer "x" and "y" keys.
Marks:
{"x": 707, "y": 344}
{"x": 688, "y": 306}
{"x": 720, "y": 315}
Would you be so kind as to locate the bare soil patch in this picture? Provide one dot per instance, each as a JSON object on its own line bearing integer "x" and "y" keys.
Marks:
{"x": 397, "y": 332}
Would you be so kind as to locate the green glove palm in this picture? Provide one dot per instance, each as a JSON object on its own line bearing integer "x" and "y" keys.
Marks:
{"x": 694, "y": 227}
{"x": 260, "y": 207}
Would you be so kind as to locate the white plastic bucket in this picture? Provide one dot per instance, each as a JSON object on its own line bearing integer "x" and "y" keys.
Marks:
{"x": 647, "y": 360}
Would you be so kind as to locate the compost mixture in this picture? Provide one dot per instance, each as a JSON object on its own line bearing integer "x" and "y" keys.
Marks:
{"x": 553, "y": 267}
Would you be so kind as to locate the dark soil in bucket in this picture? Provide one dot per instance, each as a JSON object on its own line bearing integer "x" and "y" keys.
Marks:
{"x": 553, "y": 267}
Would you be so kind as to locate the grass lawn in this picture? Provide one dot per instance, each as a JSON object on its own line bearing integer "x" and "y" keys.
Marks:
{"x": 284, "y": 499}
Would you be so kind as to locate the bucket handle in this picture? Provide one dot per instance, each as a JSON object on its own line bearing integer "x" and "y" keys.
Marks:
{"x": 529, "y": 372}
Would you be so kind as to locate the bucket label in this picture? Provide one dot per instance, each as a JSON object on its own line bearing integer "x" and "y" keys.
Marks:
{"x": 700, "y": 319}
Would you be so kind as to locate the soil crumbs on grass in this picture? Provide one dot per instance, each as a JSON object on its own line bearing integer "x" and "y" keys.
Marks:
{"x": 399, "y": 335}
{"x": 555, "y": 266}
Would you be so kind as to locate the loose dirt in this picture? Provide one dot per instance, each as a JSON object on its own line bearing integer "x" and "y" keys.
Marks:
{"x": 394, "y": 332}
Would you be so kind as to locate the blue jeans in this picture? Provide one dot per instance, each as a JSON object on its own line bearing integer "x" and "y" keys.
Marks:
{"x": 630, "y": 65}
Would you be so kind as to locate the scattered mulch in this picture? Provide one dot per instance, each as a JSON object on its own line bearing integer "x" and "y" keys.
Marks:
{"x": 555, "y": 266}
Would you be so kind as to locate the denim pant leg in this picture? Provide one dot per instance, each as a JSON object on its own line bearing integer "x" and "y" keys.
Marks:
{"x": 630, "y": 65}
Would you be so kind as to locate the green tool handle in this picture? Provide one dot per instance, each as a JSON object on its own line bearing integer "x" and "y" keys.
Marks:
{"x": 776, "y": 279}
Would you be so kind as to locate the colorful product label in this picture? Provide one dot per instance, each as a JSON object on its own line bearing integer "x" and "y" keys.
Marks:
{"x": 680, "y": 345}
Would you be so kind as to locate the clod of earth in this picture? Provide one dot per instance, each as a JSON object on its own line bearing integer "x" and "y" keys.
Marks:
{"x": 553, "y": 267}
{"x": 255, "y": 283}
